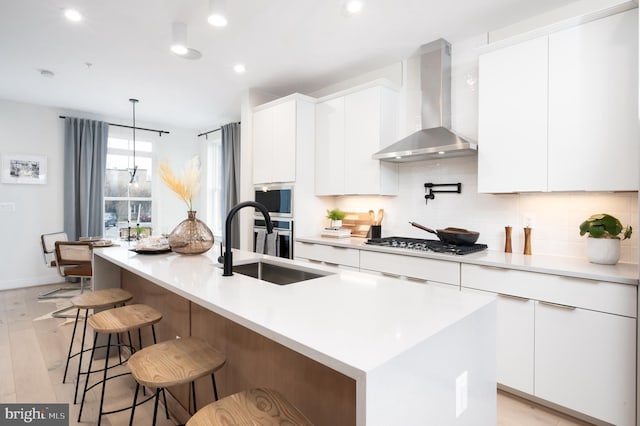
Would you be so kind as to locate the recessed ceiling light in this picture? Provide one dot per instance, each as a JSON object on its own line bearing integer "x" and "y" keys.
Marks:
{"x": 179, "y": 49}
{"x": 354, "y": 6}
{"x": 72, "y": 15}
{"x": 217, "y": 20}
{"x": 217, "y": 16}
{"x": 239, "y": 68}
{"x": 441, "y": 152}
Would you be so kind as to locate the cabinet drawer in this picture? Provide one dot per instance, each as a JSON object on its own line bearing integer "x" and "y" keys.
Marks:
{"x": 411, "y": 267}
{"x": 329, "y": 254}
{"x": 595, "y": 295}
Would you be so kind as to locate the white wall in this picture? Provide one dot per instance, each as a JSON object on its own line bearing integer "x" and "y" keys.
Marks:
{"x": 556, "y": 215}
{"x": 37, "y": 130}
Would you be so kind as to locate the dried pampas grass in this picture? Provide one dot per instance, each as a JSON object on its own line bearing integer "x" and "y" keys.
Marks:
{"x": 187, "y": 189}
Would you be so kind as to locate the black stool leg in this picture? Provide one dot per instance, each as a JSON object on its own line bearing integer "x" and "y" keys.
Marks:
{"x": 93, "y": 348}
{"x": 193, "y": 395}
{"x": 155, "y": 407}
{"x": 135, "y": 400}
{"x": 166, "y": 409}
{"x": 84, "y": 333}
{"x": 215, "y": 389}
{"x": 73, "y": 335}
{"x": 153, "y": 330}
{"x": 104, "y": 378}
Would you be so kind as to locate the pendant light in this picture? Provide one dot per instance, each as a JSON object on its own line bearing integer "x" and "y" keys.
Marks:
{"x": 179, "y": 38}
{"x": 133, "y": 171}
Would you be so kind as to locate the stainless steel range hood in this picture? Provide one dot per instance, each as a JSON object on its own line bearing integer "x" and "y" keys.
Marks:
{"x": 435, "y": 139}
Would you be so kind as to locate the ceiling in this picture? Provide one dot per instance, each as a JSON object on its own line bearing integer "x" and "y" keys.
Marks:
{"x": 121, "y": 50}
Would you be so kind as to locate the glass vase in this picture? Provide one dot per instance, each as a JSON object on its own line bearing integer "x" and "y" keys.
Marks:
{"x": 191, "y": 236}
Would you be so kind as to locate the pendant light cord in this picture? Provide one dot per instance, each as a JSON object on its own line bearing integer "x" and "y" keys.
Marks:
{"x": 135, "y": 168}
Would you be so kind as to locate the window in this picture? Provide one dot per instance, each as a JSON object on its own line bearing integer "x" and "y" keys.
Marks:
{"x": 127, "y": 204}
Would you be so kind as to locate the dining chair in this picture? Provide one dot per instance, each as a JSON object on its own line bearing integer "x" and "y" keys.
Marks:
{"x": 49, "y": 255}
{"x": 74, "y": 259}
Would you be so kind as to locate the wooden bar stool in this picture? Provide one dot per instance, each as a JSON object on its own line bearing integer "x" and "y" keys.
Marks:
{"x": 173, "y": 363}
{"x": 118, "y": 320}
{"x": 111, "y": 297}
{"x": 259, "y": 406}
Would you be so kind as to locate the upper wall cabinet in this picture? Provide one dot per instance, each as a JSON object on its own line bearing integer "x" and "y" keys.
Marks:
{"x": 349, "y": 129}
{"x": 277, "y": 128}
{"x": 559, "y": 113}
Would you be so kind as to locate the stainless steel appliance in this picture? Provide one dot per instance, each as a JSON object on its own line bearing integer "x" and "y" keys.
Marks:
{"x": 425, "y": 245}
{"x": 278, "y": 199}
{"x": 283, "y": 230}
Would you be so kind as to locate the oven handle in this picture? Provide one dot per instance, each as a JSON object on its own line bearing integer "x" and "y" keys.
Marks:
{"x": 281, "y": 231}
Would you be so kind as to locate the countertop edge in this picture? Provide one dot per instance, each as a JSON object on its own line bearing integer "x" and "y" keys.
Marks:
{"x": 545, "y": 264}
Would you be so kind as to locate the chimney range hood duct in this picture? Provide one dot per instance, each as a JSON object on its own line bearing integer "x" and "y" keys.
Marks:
{"x": 435, "y": 140}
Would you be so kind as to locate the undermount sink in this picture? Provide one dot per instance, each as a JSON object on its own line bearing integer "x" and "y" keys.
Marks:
{"x": 278, "y": 273}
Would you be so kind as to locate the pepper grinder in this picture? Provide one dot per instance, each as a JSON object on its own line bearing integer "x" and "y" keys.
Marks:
{"x": 507, "y": 239}
{"x": 527, "y": 240}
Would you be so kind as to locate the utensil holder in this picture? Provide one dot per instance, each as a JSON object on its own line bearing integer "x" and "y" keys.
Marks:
{"x": 507, "y": 239}
{"x": 376, "y": 231}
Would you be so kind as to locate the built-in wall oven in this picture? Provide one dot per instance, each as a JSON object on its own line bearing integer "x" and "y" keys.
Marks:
{"x": 278, "y": 199}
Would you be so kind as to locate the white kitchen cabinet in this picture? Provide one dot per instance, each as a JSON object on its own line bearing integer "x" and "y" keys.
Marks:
{"x": 559, "y": 112}
{"x": 350, "y": 127}
{"x": 512, "y": 126}
{"x": 593, "y": 106}
{"x": 585, "y": 361}
{"x": 419, "y": 268}
{"x": 579, "y": 334}
{"x": 277, "y": 128}
{"x": 343, "y": 257}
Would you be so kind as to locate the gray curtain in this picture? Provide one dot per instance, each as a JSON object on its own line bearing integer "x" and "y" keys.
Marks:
{"x": 231, "y": 176}
{"x": 85, "y": 162}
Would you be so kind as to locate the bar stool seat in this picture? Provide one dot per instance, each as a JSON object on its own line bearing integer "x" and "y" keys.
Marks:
{"x": 258, "y": 406}
{"x": 174, "y": 362}
{"x": 113, "y": 321}
{"x": 97, "y": 299}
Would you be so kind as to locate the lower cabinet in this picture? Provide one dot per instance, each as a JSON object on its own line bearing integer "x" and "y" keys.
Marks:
{"x": 415, "y": 268}
{"x": 580, "y": 358}
{"x": 585, "y": 360}
{"x": 342, "y": 257}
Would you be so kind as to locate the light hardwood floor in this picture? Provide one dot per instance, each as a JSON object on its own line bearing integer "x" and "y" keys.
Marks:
{"x": 33, "y": 349}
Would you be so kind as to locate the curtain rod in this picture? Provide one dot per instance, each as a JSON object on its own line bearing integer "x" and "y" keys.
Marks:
{"x": 211, "y": 131}
{"x": 159, "y": 132}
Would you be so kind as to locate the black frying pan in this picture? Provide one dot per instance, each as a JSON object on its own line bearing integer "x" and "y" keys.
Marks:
{"x": 456, "y": 236}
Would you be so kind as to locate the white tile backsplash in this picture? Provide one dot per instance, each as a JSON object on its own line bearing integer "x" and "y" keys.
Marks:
{"x": 557, "y": 215}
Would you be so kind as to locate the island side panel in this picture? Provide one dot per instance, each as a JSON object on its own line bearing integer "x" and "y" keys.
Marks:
{"x": 419, "y": 387}
{"x": 175, "y": 319}
{"x": 324, "y": 395}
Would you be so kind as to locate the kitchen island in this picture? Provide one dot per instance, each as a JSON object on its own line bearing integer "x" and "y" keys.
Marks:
{"x": 346, "y": 348}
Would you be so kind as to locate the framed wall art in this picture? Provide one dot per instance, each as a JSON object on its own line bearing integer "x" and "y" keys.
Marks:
{"x": 20, "y": 168}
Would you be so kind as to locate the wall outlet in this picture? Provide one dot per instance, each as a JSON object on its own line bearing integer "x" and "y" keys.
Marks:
{"x": 529, "y": 220}
{"x": 462, "y": 393}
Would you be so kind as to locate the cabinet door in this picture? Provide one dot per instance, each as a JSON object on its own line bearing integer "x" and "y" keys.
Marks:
{"x": 514, "y": 341}
{"x": 593, "y": 106}
{"x": 362, "y": 137}
{"x": 283, "y": 166}
{"x": 512, "y": 127}
{"x": 262, "y": 145}
{"x": 330, "y": 158}
{"x": 586, "y": 361}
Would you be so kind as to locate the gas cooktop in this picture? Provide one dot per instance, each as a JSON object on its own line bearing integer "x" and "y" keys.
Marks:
{"x": 426, "y": 245}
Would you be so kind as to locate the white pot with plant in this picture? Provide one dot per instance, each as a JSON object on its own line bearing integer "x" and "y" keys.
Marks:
{"x": 336, "y": 216}
{"x": 603, "y": 244}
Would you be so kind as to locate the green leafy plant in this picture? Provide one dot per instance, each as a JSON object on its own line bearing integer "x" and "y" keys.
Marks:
{"x": 604, "y": 226}
{"x": 336, "y": 214}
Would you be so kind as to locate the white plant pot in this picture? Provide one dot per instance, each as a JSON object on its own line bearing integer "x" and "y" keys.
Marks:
{"x": 605, "y": 251}
{"x": 336, "y": 224}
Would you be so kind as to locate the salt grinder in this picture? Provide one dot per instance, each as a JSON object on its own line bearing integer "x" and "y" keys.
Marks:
{"x": 507, "y": 239}
{"x": 527, "y": 240}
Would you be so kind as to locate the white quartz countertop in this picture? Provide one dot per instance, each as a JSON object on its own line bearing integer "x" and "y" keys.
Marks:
{"x": 624, "y": 273}
{"x": 350, "y": 321}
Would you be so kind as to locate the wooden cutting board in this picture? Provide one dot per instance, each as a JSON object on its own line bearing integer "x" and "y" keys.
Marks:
{"x": 358, "y": 222}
